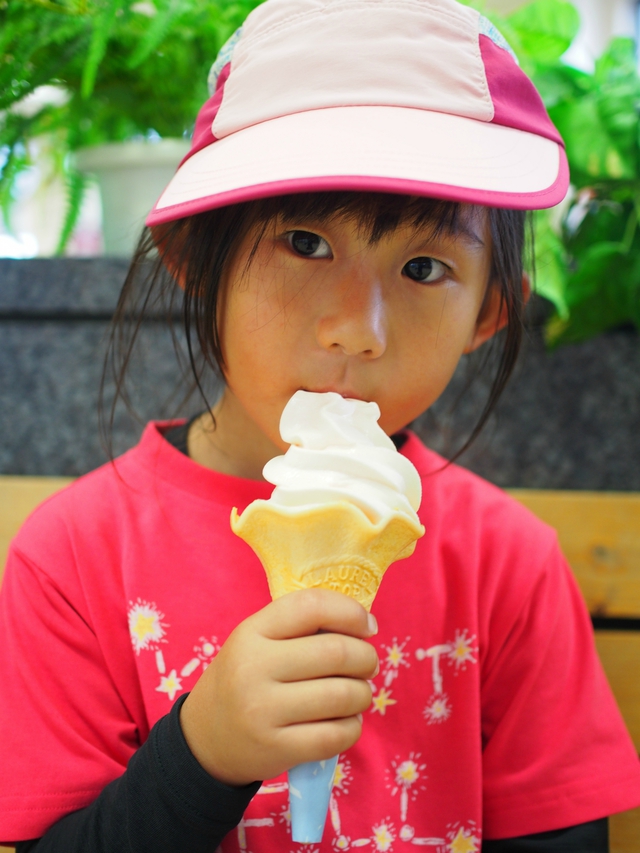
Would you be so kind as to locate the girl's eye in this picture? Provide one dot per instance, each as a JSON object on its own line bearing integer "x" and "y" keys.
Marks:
{"x": 424, "y": 270}
{"x": 308, "y": 244}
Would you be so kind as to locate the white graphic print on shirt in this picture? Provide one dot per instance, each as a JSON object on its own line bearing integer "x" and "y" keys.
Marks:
{"x": 405, "y": 778}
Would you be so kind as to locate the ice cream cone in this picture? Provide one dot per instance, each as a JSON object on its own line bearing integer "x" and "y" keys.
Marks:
{"x": 331, "y": 546}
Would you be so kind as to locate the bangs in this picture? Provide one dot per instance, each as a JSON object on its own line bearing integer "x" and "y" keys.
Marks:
{"x": 376, "y": 214}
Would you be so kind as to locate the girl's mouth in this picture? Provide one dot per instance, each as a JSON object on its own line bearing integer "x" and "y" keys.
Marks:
{"x": 344, "y": 392}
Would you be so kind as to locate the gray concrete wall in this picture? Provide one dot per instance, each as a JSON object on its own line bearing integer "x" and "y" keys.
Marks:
{"x": 54, "y": 319}
{"x": 569, "y": 419}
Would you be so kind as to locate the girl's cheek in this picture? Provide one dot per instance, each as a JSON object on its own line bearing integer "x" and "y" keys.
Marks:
{"x": 436, "y": 316}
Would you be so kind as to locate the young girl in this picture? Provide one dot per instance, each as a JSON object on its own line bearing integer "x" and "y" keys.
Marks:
{"x": 351, "y": 219}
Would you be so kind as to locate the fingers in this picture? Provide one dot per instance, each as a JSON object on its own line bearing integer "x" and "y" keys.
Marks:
{"x": 320, "y": 741}
{"x": 308, "y": 611}
{"x": 327, "y": 699}
{"x": 324, "y": 655}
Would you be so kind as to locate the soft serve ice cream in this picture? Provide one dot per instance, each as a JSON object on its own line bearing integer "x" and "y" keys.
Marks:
{"x": 339, "y": 453}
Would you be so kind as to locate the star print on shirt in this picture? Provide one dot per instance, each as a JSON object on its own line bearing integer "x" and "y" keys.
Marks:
{"x": 146, "y": 625}
{"x": 464, "y": 842}
{"x": 170, "y": 684}
{"x": 383, "y": 836}
{"x": 381, "y": 700}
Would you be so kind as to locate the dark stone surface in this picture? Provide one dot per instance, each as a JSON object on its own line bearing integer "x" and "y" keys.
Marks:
{"x": 53, "y": 329}
{"x": 41, "y": 285}
{"x": 49, "y": 382}
{"x": 568, "y": 420}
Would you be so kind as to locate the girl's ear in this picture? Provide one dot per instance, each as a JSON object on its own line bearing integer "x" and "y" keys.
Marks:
{"x": 176, "y": 272}
{"x": 160, "y": 238}
{"x": 493, "y": 315}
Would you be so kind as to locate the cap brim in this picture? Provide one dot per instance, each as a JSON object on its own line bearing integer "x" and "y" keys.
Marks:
{"x": 384, "y": 149}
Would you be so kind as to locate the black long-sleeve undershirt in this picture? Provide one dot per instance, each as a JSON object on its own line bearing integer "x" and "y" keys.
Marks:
{"x": 165, "y": 802}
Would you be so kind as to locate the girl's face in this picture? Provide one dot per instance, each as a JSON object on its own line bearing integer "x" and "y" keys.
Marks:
{"x": 319, "y": 308}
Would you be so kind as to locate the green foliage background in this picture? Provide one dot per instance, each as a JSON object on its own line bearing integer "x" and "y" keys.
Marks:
{"x": 588, "y": 249}
{"x": 130, "y": 74}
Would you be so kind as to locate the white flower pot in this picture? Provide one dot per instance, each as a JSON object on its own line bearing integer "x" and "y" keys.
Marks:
{"x": 131, "y": 176}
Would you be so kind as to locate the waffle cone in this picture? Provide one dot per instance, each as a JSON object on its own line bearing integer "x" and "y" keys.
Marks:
{"x": 333, "y": 546}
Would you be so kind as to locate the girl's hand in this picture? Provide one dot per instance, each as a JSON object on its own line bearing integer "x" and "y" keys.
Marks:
{"x": 279, "y": 693}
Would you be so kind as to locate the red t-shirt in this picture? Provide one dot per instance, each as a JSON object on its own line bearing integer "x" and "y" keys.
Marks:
{"x": 491, "y": 716}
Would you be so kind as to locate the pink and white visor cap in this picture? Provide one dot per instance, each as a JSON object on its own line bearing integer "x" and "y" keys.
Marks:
{"x": 418, "y": 97}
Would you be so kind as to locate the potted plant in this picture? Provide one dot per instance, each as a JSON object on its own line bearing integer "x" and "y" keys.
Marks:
{"x": 128, "y": 70}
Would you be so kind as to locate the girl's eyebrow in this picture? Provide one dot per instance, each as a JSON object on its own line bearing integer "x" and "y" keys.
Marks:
{"x": 461, "y": 231}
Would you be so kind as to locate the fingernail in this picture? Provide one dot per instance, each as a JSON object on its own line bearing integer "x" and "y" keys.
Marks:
{"x": 377, "y": 670}
{"x": 373, "y": 624}
{"x": 360, "y": 718}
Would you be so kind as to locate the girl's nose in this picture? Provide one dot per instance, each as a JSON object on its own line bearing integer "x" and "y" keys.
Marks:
{"x": 354, "y": 319}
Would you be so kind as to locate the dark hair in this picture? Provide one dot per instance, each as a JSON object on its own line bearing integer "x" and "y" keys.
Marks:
{"x": 202, "y": 246}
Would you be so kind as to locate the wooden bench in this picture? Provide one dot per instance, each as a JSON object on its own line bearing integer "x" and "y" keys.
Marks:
{"x": 599, "y": 533}
{"x": 600, "y": 536}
